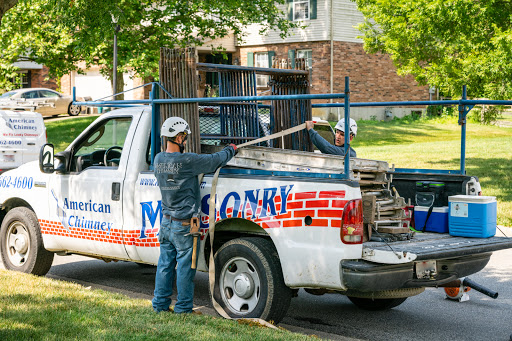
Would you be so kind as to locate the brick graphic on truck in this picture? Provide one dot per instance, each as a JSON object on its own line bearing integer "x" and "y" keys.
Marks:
{"x": 268, "y": 207}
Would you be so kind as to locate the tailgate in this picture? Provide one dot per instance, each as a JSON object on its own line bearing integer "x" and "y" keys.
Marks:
{"x": 431, "y": 246}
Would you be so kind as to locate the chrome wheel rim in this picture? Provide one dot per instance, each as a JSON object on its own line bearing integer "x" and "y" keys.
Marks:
{"x": 240, "y": 286}
{"x": 74, "y": 110}
{"x": 18, "y": 244}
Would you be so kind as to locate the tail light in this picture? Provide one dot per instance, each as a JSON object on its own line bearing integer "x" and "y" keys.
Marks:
{"x": 352, "y": 222}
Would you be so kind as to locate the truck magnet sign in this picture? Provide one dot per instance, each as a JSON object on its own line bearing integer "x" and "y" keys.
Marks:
{"x": 256, "y": 204}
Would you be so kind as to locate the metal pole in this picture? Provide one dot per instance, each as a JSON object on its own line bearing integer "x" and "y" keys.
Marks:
{"x": 155, "y": 123}
{"x": 346, "y": 171}
{"x": 114, "y": 76}
{"x": 462, "y": 121}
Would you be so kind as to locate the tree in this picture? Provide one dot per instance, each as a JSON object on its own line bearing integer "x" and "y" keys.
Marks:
{"x": 61, "y": 33}
{"x": 445, "y": 44}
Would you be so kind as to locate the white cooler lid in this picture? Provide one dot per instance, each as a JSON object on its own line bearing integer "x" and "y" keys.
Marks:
{"x": 442, "y": 209}
{"x": 471, "y": 199}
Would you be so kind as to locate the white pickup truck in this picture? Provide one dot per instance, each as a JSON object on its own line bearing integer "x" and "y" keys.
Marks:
{"x": 276, "y": 230}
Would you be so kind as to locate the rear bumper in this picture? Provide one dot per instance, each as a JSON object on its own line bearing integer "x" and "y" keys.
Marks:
{"x": 365, "y": 276}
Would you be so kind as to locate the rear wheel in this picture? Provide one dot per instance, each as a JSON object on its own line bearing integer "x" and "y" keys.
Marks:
{"x": 376, "y": 304}
{"x": 74, "y": 110}
{"x": 249, "y": 280}
{"x": 21, "y": 244}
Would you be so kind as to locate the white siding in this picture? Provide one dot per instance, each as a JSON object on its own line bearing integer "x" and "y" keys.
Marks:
{"x": 227, "y": 43}
{"x": 345, "y": 17}
{"x": 317, "y": 30}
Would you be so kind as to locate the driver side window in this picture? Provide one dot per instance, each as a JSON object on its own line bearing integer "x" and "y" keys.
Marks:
{"x": 102, "y": 146}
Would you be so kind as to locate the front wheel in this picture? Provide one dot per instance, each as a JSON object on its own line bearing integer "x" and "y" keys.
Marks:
{"x": 249, "y": 280}
{"x": 376, "y": 304}
{"x": 21, "y": 244}
{"x": 74, "y": 110}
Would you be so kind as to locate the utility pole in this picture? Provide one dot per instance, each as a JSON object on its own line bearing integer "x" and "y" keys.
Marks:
{"x": 114, "y": 76}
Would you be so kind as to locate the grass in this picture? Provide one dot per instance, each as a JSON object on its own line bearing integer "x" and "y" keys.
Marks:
{"x": 436, "y": 144}
{"x": 39, "y": 308}
{"x": 406, "y": 143}
{"x": 506, "y": 116}
{"x": 62, "y": 132}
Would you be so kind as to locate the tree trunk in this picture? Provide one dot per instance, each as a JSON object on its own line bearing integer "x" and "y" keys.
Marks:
{"x": 120, "y": 86}
{"x": 6, "y": 5}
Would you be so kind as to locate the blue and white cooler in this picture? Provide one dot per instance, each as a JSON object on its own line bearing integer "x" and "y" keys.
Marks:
{"x": 472, "y": 216}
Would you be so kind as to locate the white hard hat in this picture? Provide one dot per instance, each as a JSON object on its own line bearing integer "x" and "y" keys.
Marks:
{"x": 173, "y": 126}
{"x": 341, "y": 126}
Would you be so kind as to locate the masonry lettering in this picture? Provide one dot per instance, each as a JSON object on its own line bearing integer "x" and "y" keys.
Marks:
{"x": 248, "y": 208}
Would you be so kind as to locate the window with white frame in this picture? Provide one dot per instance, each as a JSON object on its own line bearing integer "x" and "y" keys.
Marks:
{"x": 23, "y": 79}
{"x": 261, "y": 60}
{"x": 307, "y": 54}
{"x": 301, "y": 9}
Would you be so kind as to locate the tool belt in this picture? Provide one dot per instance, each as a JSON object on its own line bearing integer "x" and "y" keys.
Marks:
{"x": 184, "y": 222}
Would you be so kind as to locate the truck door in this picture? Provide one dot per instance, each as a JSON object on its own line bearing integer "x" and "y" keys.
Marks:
{"x": 87, "y": 199}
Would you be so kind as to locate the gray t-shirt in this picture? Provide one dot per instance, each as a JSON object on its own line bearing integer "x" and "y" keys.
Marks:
{"x": 177, "y": 175}
{"x": 327, "y": 148}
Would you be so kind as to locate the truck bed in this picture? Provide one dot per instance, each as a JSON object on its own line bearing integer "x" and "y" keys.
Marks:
{"x": 436, "y": 246}
{"x": 440, "y": 258}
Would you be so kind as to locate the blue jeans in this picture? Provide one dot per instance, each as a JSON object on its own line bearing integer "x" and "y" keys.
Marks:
{"x": 175, "y": 248}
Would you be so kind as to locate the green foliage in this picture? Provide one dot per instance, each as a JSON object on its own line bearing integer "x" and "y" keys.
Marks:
{"x": 486, "y": 115}
{"x": 61, "y": 33}
{"x": 434, "y": 110}
{"x": 445, "y": 44}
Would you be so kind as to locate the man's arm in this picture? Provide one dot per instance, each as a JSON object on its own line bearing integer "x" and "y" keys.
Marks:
{"x": 322, "y": 144}
{"x": 208, "y": 163}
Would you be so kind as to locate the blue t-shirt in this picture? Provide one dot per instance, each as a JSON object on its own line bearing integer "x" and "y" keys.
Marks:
{"x": 328, "y": 148}
{"x": 177, "y": 175}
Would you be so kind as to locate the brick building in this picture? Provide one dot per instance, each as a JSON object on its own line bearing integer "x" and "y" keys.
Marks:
{"x": 330, "y": 45}
{"x": 33, "y": 75}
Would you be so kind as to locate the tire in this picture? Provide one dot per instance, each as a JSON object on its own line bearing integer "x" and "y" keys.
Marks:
{"x": 249, "y": 272}
{"x": 74, "y": 110}
{"x": 376, "y": 304}
{"x": 21, "y": 244}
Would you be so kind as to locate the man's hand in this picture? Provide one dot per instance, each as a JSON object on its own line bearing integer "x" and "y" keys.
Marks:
{"x": 310, "y": 124}
{"x": 234, "y": 147}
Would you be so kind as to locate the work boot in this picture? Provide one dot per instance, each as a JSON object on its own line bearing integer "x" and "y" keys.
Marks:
{"x": 170, "y": 310}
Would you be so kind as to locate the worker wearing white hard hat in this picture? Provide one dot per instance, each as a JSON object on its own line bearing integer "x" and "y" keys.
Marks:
{"x": 339, "y": 139}
{"x": 177, "y": 175}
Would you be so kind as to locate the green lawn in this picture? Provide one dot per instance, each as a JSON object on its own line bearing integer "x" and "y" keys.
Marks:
{"x": 436, "y": 144}
{"x": 39, "y": 308}
{"x": 506, "y": 116}
{"x": 62, "y": 132}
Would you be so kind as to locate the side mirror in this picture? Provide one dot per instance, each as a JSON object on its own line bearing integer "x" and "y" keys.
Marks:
{"x": 46, "y": 161}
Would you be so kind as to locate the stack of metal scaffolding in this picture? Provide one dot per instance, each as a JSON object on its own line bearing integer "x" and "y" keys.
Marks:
{"x": 179, "y": 76}
{"x": 238, "y": 122}
{"x": 287, "y": 114}
{"x": 238, "y": 118}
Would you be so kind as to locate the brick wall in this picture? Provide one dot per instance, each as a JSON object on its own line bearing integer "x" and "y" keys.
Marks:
{"x": 37, "y": 79}
{"x": 372, "y": 77}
